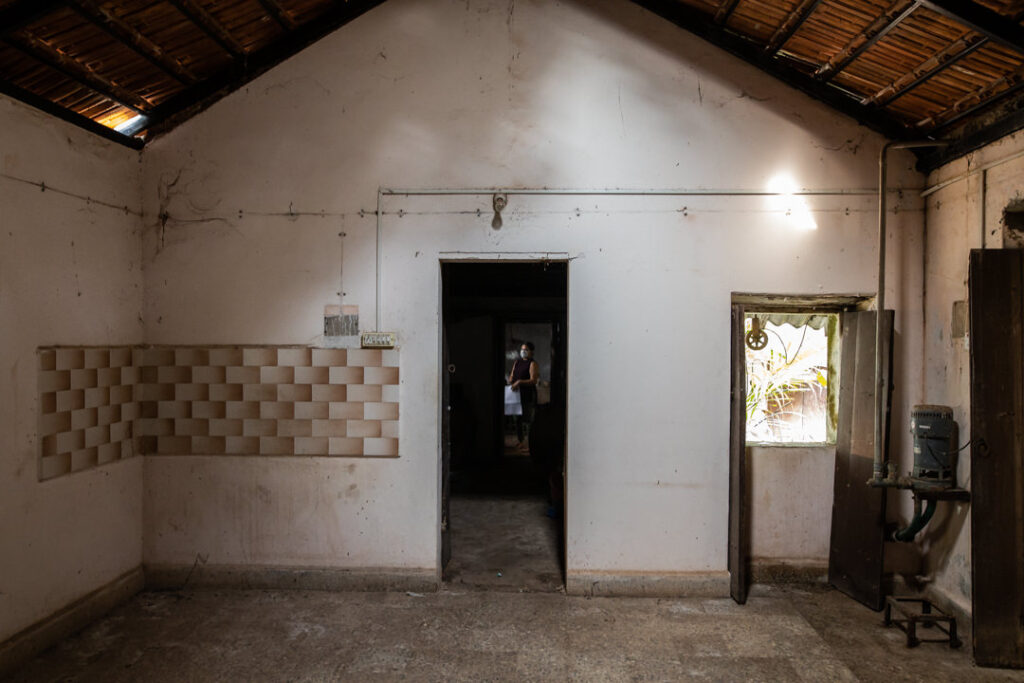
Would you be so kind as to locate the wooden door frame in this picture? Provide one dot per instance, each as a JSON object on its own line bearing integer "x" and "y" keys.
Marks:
{"x": 739, "y": 516}
{"x": 535, "y": 257}
{"x": 739, "y": 541}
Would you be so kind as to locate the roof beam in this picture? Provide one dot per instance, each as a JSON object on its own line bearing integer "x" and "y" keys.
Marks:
{"x": 193, "y": 100}
{"x": 275, "y": 10}
{"x": 698, "y": 23}
{"x": 964, "y": 145}
{"x": 210, "y": 26}
{"x": 55, "y": 59}
{"x": 939, "y": 62}
{"x": 724, "y": 11}
{"x": 861, "y": 42}
{"x": 994, "y": 26}
{"x": 122, "y": 31}
{"x": 975, "y": 101}
{"x": 790, "y": 26}
{"x": 68, "y": 115}
{"x": 932, "y": 66}
{"x": 24, "y": 13}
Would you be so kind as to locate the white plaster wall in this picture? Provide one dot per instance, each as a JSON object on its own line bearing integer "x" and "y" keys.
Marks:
{"x": 585, "y": 94}
{"x": 791, "y": 503}
{"x": 70, "y": 273}
{"x": 958, "y": 221}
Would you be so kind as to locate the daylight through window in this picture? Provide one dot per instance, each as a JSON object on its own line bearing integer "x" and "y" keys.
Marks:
{"x": 790, "y": 379}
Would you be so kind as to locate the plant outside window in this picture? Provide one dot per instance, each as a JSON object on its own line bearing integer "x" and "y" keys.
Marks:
{"x": 788, "y": 392}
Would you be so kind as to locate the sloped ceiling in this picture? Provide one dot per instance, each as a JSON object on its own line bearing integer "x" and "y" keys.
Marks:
{"x": 909, "y": 69}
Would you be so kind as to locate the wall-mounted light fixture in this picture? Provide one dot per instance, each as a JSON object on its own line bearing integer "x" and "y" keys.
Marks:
{"x": 499, "y": 202}
{"x": 788, "y": 202}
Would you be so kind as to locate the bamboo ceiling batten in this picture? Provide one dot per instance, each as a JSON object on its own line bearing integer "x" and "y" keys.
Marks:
{"x": 131, "y": 69}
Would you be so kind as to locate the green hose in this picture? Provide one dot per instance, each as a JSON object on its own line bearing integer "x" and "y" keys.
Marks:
{"x": 919, "y": 522}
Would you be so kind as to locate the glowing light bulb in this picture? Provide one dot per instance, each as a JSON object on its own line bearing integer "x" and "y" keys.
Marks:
{"x": 795, "y": 208}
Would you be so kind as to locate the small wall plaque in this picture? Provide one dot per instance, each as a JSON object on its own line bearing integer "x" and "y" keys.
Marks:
{"x": 377, "y": 340}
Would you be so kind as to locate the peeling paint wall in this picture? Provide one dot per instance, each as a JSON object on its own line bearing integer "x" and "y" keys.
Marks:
{"x": 965, "y": 215}
{"x": 246, "y": 203}
{"x": 70, "y": 273}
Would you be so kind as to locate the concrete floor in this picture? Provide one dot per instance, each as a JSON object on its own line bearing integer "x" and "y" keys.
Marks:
{"x": 782, "y": 634}
{"x": 504, "y": 543}
{"x": 481, "y": 626}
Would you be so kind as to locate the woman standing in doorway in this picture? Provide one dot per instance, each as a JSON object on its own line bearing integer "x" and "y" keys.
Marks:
{"x": 523, "y": 378}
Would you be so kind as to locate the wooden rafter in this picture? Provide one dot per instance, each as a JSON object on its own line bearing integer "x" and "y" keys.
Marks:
{"x": 21, "y": 14}
{"x": 275, "y": 10}
{"x": 935, "y": 64}
{"x": 198, "y": 97}
{"x": 860, "y": 43}
{"x": 971, "y": 141}
{"x": 68, "y": 115}
{"x": 122, "y": 31}
{"x": 845, "y": 102}
{"x": 980, "y": 98}
{"x": 77, "y": 78}
{"x": 790, "y": 26}
{"x": 996, "y": 27}
{"x": 725, "y": 10}
{"x": 940, "y": 61}
{"x": 43, "y": 52}
{"x": 210, "y": 26}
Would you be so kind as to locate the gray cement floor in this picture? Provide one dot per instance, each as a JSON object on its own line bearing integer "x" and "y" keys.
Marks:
{"x": 485, "y": 627}
{"x": 782, "y": 634}
{"x": 504, "y": 543}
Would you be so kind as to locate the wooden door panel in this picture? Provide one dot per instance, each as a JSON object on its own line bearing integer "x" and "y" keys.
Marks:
{"x": 739, "y": 530}
{"x": 446, "y": 451}
{"x": 857, "y": 543}
{"x": 996, "y": 284}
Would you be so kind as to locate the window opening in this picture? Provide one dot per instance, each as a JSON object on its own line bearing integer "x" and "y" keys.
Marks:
{"x": 792, "y": 377}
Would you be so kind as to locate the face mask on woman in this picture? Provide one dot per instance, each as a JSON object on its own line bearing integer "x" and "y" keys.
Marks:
{"x": 524, "y": 354}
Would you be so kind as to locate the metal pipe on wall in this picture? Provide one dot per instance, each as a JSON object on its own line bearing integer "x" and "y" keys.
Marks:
{"x": 651, "y": 192}
{"x": 380, "y": 256}
{"x": 876, "y": 468}
{"x": 982, "y": 201}
{"x": 922, "y": 515}
{"x": 541, "y": 191}
{"x": 967, "y": 174}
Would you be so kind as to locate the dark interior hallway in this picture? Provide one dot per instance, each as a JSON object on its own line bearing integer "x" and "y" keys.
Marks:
{"x": 504, "y": 543}
{"x": 503, "y": 498}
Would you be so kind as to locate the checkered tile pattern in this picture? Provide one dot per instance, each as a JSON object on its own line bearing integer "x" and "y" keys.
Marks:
{"x": 215, "y": 401}
{"x": 268, "y": 401}
{"x": 87, "y": 408}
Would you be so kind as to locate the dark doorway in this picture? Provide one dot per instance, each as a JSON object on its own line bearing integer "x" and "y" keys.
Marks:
{"x": 502, "y": 499}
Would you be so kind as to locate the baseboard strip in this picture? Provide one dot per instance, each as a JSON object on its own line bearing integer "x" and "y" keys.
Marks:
{"x": 179, "y": 577}
{"x": 643, "y": 584}
{"x": 26, "y": 644}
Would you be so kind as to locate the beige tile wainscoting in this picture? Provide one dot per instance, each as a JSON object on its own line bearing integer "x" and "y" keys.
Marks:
{"x": 87, "y": 408}
{"x": 100, "y": 405}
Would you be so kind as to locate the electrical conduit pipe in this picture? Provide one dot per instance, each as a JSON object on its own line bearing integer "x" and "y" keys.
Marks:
{"x": 877, "y": 466}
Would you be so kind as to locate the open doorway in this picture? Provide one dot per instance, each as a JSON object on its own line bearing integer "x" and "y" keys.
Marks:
{"x": 802, "y": 440}
{"x": 503, "y": 490}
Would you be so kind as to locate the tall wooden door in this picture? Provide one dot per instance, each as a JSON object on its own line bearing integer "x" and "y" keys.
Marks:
{"x": 996, "y": 284}
{"x": 857, "y": 543}
{"x": 739, "y": 530}
{"x": 446, "y": 451}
